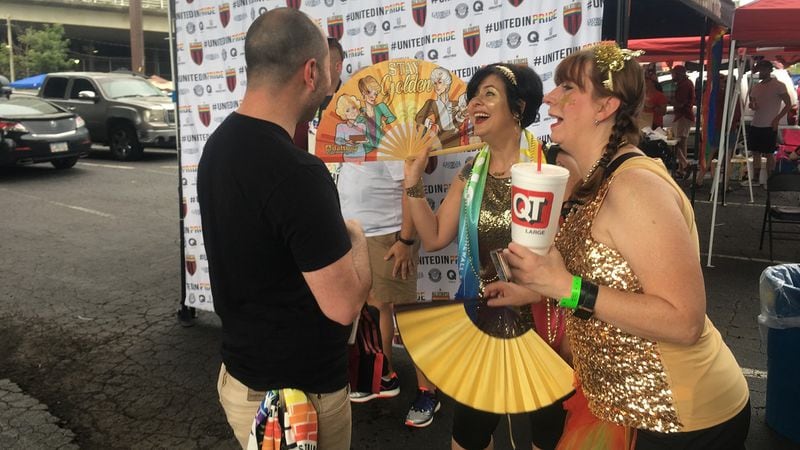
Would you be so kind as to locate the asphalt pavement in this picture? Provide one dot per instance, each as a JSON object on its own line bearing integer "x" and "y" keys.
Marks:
{"x": 92, "y": 356}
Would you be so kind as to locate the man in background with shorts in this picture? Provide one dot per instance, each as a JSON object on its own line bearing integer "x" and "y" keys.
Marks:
{"x": 765, "y": 101}
{"x": 372, "y": 193}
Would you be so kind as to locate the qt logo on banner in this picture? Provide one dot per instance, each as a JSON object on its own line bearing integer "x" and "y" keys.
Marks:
{"x": 531, "y": 209}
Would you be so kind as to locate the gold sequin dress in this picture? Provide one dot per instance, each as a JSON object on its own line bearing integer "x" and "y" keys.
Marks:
{"x": 632, "y": 381}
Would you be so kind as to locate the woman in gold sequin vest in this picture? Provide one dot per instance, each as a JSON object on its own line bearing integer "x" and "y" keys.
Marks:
{"x": 626, "y": 265}
{"x": 503, "y": 99}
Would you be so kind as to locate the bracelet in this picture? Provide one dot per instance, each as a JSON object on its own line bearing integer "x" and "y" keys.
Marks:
{"x": 417, "y": 190}
{"x": 571, "y": 302}
{"x": 586, "y": 301}
{"x": 399, "y": 238}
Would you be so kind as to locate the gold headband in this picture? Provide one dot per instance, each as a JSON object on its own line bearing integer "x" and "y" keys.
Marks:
{"x": 609, "y": 58}
{"x": 508, "y": 73}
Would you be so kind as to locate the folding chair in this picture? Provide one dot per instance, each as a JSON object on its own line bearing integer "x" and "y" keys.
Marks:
{"x": 786, "y": 159}
{"x": 778, "y": 214}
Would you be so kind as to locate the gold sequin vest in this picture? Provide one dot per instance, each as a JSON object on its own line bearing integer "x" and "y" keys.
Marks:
{"x": 622, "y": 375}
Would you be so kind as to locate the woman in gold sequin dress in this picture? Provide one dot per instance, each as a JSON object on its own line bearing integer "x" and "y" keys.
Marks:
{"x": 502, "y": 101}
{"x": 646, "y": 356}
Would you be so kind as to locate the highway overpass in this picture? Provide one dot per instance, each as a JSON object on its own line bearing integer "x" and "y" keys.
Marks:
{"x": 98, "y": 30}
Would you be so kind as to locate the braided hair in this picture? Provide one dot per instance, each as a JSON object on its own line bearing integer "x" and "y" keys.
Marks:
{"x": 627, "y": 86}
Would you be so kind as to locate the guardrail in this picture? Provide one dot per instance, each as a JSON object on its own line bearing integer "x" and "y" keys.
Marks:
{"x": 147, "y": 5}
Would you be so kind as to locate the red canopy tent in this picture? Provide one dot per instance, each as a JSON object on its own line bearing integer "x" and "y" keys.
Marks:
{"x": 766, "y": 23}
{"x": 672, "y": 48}
{"x": 687, "y": 49}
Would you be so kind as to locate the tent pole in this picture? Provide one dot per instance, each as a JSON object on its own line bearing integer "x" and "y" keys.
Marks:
{"x": 747, "y": 153}
{"x": 185, "y": 313}
{"x": 720, "y": 154}
{"x": 623, "y": 22}
{"x": 699, "y": 152}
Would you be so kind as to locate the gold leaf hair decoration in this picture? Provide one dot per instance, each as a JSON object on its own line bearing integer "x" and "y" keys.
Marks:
{"x": 508, "y": 73}
{"x": 609, "y": 58}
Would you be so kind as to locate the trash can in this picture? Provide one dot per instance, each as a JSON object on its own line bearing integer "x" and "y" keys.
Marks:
{"x": 779, "y": 322}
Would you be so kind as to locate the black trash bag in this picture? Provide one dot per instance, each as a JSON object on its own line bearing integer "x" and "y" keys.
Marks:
{"x": 657, "y": 148}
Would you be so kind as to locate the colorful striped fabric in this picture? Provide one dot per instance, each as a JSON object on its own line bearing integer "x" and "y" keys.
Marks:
{"x": 711, "y": 117}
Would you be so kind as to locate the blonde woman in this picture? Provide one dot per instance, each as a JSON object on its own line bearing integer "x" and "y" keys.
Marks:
{"x": 350, "y": 133}
{"x": 374, "y": 115}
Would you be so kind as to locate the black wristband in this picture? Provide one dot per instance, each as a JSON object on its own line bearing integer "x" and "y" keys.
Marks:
{"x": 408, "y": 242}
{"x": 586, "y": 300}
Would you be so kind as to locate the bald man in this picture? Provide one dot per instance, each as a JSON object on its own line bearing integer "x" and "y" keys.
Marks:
{"x": 288, "y": 275}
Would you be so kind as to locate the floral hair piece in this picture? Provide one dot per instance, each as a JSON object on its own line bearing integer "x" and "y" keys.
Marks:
{"x": 609, "y": 58}
{"x": 508, "y": 73}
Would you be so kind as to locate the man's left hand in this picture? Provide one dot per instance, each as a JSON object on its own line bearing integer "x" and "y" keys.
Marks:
{"x": 403, "y": 264}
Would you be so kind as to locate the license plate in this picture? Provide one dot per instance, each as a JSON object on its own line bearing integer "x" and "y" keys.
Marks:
{"x": 57, "y": 147}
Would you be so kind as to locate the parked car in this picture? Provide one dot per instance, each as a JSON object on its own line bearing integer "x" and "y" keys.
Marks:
{"x": 36, "y": 131}
{"x": 122, "y": 110}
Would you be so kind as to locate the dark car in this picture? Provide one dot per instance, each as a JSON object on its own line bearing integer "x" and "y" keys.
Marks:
{"x": 122, "y": 110}
{"x": 37, "y": 131}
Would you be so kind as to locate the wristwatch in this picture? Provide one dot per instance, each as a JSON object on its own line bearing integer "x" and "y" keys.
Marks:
{"x": 585, "y": 308}
{"x": 408, "y": 242}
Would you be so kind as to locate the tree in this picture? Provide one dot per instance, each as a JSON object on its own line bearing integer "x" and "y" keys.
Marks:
{"x": 38, "y": 51}
{"x": 5, "y": 68}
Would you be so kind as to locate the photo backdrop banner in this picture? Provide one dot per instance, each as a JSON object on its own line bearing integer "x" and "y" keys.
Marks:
{"x": 461, "y": 35}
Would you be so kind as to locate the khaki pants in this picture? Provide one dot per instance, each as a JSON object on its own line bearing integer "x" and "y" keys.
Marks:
{"x": 241, "y": 404}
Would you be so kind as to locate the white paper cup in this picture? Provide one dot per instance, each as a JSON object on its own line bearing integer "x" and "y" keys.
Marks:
{"x": 536, "y": 199}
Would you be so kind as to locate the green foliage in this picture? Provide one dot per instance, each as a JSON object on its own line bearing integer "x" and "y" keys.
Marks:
{"x": 37, "y": 50}
{"x": 5, "y": 68}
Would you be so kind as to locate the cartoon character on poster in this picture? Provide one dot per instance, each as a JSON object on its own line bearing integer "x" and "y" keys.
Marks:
{"x": 398, "y": 101}
{"x": 351, "y": 133}
{"x": 374, "y": 115}
{"x": 441, "y": 115}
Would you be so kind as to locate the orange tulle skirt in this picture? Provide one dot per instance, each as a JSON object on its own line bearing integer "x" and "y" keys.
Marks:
{"x": 584, "y": 431}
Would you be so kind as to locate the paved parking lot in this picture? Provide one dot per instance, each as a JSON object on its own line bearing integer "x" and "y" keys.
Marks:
{"x": 91, "y": 355}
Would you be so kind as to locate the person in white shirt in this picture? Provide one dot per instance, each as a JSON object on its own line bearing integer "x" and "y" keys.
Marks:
{"x": 765, "y": 100}
{"x": 372, "y": 193}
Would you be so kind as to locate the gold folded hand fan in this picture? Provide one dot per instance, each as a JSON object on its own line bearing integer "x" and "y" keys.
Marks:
{"x": 484, "y": 357}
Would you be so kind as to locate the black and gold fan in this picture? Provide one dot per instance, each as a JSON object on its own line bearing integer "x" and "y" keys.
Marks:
{"x": 484, "y": 357}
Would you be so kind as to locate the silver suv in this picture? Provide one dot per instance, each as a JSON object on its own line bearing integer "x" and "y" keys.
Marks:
{"x": 122, "y": 110}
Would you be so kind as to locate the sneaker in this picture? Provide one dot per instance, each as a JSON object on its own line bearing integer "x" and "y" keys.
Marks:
{"x": 422, "y": 410}
{"x": 389, "y": 388}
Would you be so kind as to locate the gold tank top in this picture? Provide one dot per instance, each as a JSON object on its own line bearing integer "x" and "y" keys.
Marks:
{"x": 621, "y": 374}
{"x": 494, "y": 232}
{"x": 630, "y": 380}
{"x": 494, "y": 225}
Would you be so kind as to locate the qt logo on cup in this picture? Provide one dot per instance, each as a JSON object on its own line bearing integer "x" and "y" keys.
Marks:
{"x": 531, "y": 209}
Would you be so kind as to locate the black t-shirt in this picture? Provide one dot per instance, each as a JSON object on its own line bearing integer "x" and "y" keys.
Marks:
{"x": 270, "y": 211}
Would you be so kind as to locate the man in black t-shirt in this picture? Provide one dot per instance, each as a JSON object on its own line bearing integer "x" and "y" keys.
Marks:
{"x": 288, "y": 275}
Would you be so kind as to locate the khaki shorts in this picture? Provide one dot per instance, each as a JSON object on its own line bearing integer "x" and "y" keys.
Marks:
{"x": 386, "y": 288}
{"x": 241, "y": 404}
{"x": 681, "y": 127}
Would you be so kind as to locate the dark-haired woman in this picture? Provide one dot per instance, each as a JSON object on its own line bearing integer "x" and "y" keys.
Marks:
{"x": 645, "y": 354}
{"x": 502, "y": 101}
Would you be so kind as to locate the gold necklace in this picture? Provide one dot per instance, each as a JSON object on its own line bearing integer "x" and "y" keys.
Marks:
{"x": 552, "y": 328}
{"x": 596, "y": 164}
{"x": 592, "y": 170}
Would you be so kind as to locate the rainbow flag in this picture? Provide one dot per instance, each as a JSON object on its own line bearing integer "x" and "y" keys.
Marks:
{"x": 712, "y": 112}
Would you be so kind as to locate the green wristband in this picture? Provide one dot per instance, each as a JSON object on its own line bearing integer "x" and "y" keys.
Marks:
{"x": 571, "y": 302}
